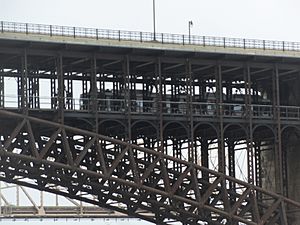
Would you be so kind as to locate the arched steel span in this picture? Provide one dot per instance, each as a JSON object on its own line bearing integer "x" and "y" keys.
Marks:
{"x": 128, "y": 178}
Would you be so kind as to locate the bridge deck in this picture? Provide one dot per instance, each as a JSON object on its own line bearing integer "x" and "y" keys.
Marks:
{"x": 190, "y": 104}
{"x": 145, "y": 40}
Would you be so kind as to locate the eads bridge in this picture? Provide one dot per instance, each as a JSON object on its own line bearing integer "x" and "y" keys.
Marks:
{"x": 180, "y": 129}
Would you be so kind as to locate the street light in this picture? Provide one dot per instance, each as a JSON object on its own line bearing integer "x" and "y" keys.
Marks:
{"x": 190, "y": 25}
{"x": 154, "y": 35}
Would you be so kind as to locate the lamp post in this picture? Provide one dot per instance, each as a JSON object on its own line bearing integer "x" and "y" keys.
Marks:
{"x": 154, "y": 31}
{"x": 190, "y": 25}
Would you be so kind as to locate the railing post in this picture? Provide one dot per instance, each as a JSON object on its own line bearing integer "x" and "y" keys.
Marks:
{"x": 2, "y": 27}
{"x": 183, "y": 39}
{"x": 264, "y": 44}
{"x": 50, "y": 30}
{"x": 74, "y": 32}
{"x": 162, "y": 38}
{"x": 97, "y": 36}
{"x": 119, "y": 35}
{"x": 224, "y": 42}
{"x": 26, "y": 27}
{"x": 141, "y": 36}
{"x": 287, "y": 112}
{"x": 283, "y": 47}
{"x": 244, "y": 42}
{"x": 203, "y": 41}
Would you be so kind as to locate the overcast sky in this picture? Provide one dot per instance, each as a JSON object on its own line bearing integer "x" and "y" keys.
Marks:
{"x": 260, "y": 19}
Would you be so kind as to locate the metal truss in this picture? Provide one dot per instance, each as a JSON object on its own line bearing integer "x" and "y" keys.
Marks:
{"x": 21, "y": 202}
{"x": 127, "y": 178}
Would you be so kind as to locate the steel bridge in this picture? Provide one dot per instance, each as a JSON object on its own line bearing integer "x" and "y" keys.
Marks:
{"x": 189, "y": 129}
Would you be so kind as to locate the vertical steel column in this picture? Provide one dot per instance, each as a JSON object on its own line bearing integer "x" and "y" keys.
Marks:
{"x": 53, "y": 91}
{"x": 69, "y": 92}
{"x": 231, "y": 157}
{"x": 94, "y": 90}
{"x": 231, "y": 162}
{"x": 33, "y": 89}
{"x": 160, "y": 104}
{"x": 20, "y": 88}
{"x": 204, "y": 156}
{"x": 127, "y": 101}
{"x": 249, "y": 118}
{"x": 2, "y": 92}
{"x": 23, "y": 83}
{"x": 176, "y": 153}
{"x": 18, "y": 195}
{"x": 219, "y": 104}
{"x": 30, "y": 91}
{"x": 61, "y": 88}
{"x": 189, "y": 112}
{"x": 42, "y": 200}
{"x": 258, "y": 170}
{"x": 278, "y": 147}
{"x": 85, "y": 95}
{"x": 36, "y": 83}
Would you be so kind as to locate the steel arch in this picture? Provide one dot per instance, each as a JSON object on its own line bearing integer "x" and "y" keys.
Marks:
{"x": 128, "y": 178}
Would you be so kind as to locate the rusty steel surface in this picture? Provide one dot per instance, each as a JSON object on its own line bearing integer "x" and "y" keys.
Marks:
{"x": 166, "y": 135}
{"x": 128, "y": 178}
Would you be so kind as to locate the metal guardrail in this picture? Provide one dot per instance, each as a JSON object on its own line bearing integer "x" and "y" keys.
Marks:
{"x": 163, "y": 38}
{"x": 202, "y": 109}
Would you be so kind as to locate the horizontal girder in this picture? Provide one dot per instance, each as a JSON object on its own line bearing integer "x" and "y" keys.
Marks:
{"x": 128, "y": 178}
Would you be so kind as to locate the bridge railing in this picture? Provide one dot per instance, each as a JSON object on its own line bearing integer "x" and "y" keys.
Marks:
{"x": 198, "y": 109}
{"x": 163, "y": 38}
{"x": 290, "y": 112}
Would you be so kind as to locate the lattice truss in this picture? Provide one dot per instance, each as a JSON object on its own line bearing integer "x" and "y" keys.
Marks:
{"x": 128, "y": 178}
{"x": 22, "y": 202}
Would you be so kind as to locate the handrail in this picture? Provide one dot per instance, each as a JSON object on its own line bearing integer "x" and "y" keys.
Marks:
{"x": 162, "y": 38}
{"x": 207, "y": 109}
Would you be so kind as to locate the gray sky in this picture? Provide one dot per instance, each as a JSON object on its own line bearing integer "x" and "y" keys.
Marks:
{"x": 267, "y": 19}
{"x": 260, "y": 19}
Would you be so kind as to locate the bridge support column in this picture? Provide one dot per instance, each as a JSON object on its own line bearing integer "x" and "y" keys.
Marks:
{"x": 257, "y": 154}
{"x": 219, "y": 103}
{"x": 127, "y": 101}
{"x": 69, "y": 92}
{"x": 278, "y": 150}
{"x": 231, "y": 158}
{"x": 290, "y": 147}
{"x": 61, "y": 88}
{"x": 2, "y": 92}
{"x": 249, "y": 115}
{"x": 160, "y": 105}
{"x": 84, "y": 87}
{"x": 189, "y": 112}
{"x": 22, "y": 84}
{"x": 53, "y": 90}
{"x": 94, "y": 100}
{"x": 34, "y": 92}
{"x": 204, "y": 152}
